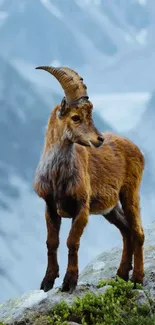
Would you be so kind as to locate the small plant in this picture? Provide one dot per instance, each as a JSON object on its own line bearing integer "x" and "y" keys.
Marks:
{"x": 119, "y": 282}
{"x": 61, "y": 313}
{"x": 117, "y": 306}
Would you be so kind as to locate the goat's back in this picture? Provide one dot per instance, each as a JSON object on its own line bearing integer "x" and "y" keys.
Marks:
{"x": 117, "y": 162}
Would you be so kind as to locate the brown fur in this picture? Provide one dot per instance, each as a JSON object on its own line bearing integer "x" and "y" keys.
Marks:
{"x": 76, "y": 179}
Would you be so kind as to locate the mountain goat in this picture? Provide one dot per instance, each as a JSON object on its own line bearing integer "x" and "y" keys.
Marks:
{"x": 82, "y": 172}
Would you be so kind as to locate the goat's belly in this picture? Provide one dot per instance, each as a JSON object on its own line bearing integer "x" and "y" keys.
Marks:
{"x": 99, "y": 207}
{"x": 103, "y": 212}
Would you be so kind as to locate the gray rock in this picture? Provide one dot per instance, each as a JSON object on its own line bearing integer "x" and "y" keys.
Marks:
{"x": 105, "y": 265}
{"x": 142, "y": 298}
{"x": 38, "y": 302}
{"x": 102, "y": 290}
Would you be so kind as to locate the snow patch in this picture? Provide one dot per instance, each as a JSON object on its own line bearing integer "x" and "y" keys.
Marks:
{"x": 142, "y": 2}
{"x": 52, "y": 8}
{"x": 88, "y": 3}
{"x": 141, "y": 37}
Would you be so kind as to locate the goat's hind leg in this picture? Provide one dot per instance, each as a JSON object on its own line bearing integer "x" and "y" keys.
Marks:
{"x": 117, "y": 217}
{"x": 131, "y": 206}
{"x": 53, "y": 222}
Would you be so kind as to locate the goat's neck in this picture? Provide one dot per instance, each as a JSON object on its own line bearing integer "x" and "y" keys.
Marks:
{"x": 62, "y": 154}
{"x": 59, "y": 165}
{"x": 61, "y": 149}
{"x": 64, "y": 168}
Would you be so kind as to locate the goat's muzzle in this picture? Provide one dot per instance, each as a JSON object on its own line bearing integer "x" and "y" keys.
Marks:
{"x": 99, "y": 141}
{"x": 95, "y": 141}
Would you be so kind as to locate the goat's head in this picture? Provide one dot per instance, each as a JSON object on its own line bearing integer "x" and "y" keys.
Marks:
{"x": 72, "y": 119}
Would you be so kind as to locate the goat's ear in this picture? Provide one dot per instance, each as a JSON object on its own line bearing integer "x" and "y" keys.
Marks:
{"x": 63, "y": 108}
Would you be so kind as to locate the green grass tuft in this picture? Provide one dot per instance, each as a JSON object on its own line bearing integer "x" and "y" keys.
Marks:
{"x": 117, "y": 306}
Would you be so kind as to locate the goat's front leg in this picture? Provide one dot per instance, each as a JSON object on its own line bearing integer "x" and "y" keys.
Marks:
{"x": 73, "y": 243}
{"x": 53, "y": 221}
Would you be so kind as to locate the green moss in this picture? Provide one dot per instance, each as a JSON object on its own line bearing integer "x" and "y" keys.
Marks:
{"x": 116, "y": 307}
{"x": 119, "y": 283}
{"x": 139, "y": 320}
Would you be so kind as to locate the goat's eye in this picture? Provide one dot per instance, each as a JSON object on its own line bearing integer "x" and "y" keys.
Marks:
{"x": 75, "y": 118}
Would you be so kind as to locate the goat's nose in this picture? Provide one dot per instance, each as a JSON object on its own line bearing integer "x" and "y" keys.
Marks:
{"x": 100, "y": 138}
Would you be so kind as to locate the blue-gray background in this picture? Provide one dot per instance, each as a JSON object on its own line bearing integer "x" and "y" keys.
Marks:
{"x": 111, "y": 44}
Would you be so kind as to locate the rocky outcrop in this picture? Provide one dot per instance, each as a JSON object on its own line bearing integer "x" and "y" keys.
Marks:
{"x": 37, "y": 303}
{"x": 105, "y": 265}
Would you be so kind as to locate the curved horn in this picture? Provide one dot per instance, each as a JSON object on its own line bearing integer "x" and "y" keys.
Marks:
{"x": 70, "y": 81}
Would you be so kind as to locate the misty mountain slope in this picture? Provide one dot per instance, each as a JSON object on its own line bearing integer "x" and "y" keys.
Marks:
{"x": 22, "y": 125}
{"x": 102, "y": 40}
{"x": 34, "y": 41}
{"x": 145, "y": 131}
{"x": 97, "y": 20}
{"x": 144, "y": 135}
{"x": 23, "y": 116}
{"x": 122, "y": 111}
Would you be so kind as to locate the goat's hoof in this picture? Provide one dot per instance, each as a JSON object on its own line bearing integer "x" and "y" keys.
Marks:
{"x": 70, "y": 281}
{"x": 137, "y": 280}
{"x": 47, "y": 285}
{"x": 123, "y": 275}
{"x": 48, "y": 282}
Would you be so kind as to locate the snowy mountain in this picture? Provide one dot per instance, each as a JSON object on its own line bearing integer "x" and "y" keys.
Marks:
{"x": 23, "y": 117}
{"x": 108, "y": 41}
{"x": 143, "y": 134}
{"x": 111, "y": 44}
{"x": 106, "y": 29}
